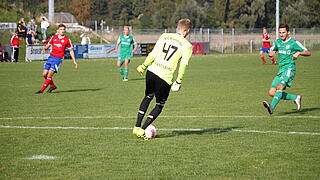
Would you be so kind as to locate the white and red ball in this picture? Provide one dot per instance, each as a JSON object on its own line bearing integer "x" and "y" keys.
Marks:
{"x": 151, "y": 131}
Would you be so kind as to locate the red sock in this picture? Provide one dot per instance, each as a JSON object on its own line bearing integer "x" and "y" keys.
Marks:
{"x": 272, "y": 59}
{"x": 46, "y": 83}
{"x": 52, "y": 84}
{"x": 263, "y": 60}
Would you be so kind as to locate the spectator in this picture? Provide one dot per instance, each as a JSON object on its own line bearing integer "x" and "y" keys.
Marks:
{"x": 44, "y": 26}
{"x": 14, "y": 42}
{"x": 21, "y": 30}
{"x": 31, "y": 26}
{"x": 85, "y": 39}
{"x": 30, "y": 37}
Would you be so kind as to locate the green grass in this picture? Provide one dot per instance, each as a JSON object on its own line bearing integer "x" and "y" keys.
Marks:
{"x": 223, "y": 87}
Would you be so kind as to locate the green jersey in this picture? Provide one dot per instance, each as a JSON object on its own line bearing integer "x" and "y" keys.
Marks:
{"x": 286, "y": 49}
{"x": 170, "y": 49}
{"x": 126, "y": 44}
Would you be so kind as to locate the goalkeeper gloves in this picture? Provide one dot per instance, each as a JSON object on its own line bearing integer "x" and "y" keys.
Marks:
{"x": 176, "y": 86}
{"x": 141, "y": 68}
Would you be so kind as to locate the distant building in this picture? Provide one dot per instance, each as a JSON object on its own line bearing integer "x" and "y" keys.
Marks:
{"x": 65, "y": 18}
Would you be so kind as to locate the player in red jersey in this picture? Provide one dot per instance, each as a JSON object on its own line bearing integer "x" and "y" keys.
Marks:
{"x": 266, "y": 47}
{"x": 14, "y": 42}
{"x": 59, "y": 44}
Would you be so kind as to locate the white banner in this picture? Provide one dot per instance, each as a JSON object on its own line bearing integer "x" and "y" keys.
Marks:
{"x": 34, "y": 53}
{"x": 8, "y": 26}
{"x": 100, "y": 50}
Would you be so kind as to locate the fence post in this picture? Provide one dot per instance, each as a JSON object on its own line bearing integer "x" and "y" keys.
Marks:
{"x": 294, "y": 32}
{"x": 208, "y": 35}
{"x": 96, "y": 26}
{"x": 222, "y": 41}
{"x": 232, "y": 40}
{"x": 251, "y": 46}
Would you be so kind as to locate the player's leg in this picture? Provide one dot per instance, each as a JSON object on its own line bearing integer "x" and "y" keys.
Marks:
{"x": 262, "y": 56}
{"x": 162, "y": 90}
{"x": 272, "y": 92}
{"x": 126, "y": 69}
{"x": 149, "y": 94}
{"x": 119, "y": 64}
{"x": 47, "y": 81}
{"x": 285, "y": 80}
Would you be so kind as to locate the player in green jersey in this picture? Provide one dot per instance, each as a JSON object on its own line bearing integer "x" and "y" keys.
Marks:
{"x": 289, "y": 50}
{"x": 161, "y": 63}
{"x": 126, "y": 43}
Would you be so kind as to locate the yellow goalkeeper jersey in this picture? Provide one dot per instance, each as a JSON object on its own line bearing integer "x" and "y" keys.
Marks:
{"x": 170, "y": 49}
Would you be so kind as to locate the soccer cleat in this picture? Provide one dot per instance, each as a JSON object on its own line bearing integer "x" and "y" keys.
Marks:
{"x": 298, "y": 102}
{"x": 141, "y": 134}
{"x": 135, "y": 130}
{"x": 274, "y": 63}
{"x": 39, "y": 92}
{"x": 51, "y": 89}
{"x": 269, "y": 108}
{"x": 125, "y": 79}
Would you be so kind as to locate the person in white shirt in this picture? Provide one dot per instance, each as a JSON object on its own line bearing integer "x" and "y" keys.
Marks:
{"x": 85, "y": 39}
{"x": 44, "y": 26}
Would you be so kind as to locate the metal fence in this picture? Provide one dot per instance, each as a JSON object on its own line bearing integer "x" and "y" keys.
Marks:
{"x": 222, "y": 40}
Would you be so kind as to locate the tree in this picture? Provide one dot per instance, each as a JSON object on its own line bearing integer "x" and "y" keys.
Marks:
{"x": 190, "y": 9}
{"x": 81, "y": 10}
{"x": 295, "y": 14}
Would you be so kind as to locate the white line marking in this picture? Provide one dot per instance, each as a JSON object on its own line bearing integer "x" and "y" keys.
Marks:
{"x": 41, "y": 157}
{"x": 175, "y": 129}
{"x": 130, "y": 117}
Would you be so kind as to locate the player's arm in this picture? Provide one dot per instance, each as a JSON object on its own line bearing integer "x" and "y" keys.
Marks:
{"x": 73, "y": 58}
{"x": 273, "y": 50}
{"x": 301, "y": 51}
{"x": 151, "y": 56}
{"x": 182, "y": 69}
{"x": 115, "y": 48}
{"x": 69, "y": 46}
{"x": 135, "y": 44}
{"x": 265, "y": 40}
{"x": 45, "y": 48}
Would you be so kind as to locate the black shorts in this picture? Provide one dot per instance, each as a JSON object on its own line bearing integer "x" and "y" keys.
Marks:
{"x": 154, "y": 84}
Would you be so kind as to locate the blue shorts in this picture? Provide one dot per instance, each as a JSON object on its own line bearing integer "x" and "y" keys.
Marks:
{"x": 263, "y": 49}
{"x": 53, "y": 64}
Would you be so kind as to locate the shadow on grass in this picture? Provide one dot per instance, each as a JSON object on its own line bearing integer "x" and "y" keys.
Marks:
{"x": 197, "y": 132}
{"x": 77, "y": 90}
{"x": 137, "y": 79}
{"x": 302, "y": 111}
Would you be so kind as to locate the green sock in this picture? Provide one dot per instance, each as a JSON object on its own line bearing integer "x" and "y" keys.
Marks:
{"x": 121, "y": 72}
{"x": 276, "y": 98}
{"x": 286, "y": 96}
{"x": 126, "y": 72}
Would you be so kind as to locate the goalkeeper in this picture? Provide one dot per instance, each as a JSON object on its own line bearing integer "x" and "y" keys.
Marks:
{"x": 161, "y": 64}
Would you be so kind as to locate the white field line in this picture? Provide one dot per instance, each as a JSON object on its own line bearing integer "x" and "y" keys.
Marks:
{"x": 187, "y": 116}
{"x": 41, "y": 157}
{"x": 175, "y": 129}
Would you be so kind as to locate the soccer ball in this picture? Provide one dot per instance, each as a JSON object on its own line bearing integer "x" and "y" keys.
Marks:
{"x": 151, "y": 131}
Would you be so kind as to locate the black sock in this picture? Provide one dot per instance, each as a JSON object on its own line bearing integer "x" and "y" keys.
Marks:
{"x": 142, "y": 109}
{"x": 153, "y": 115}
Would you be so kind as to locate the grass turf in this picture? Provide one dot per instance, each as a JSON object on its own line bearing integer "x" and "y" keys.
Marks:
{"x": 222, "y": 92}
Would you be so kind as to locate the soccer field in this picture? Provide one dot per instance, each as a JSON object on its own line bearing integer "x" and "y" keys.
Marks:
{"x": 214, "y": 128}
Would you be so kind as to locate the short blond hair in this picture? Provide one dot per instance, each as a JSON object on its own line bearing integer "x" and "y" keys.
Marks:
{"x": 126, "y": 27}
{"x": 184, "y": 24}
